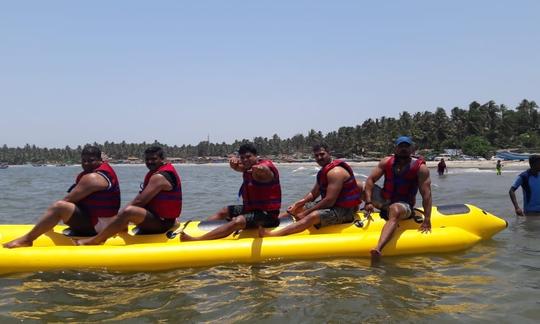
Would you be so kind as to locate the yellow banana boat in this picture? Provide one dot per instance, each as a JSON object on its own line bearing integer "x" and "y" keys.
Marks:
{"x": 454, "y": 228}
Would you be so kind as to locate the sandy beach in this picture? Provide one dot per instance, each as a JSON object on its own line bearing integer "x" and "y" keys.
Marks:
{"x": 465, "y": 164}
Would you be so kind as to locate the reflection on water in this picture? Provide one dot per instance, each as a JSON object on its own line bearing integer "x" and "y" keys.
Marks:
{"x": 412, "y": 289}
{"x": 494, "y": 280}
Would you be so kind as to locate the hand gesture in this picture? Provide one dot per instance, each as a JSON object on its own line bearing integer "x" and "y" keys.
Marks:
{"x": 235, "y": 163}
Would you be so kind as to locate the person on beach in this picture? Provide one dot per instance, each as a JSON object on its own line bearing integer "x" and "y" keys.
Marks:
{"x": 340, "y": 197}
{"x": 261, "y": 196}
{"x": 498, "y": 167}
{"x": 157, "y": 206}
{"x": 441, "y": 167}
{"x": 89, "y": 205}
{"x": 404, "y": 176}
{"x": 529, "y": 181}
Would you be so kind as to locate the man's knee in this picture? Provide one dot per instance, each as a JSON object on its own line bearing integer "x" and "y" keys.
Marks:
{"x": 312, "y": 218}
{"x": 239, "y": 222}
{"x": 224, "y": 212}
{"x": 396, "y": 211}
{"x": 131, "y": 211}
{"x": 62, "y": 205}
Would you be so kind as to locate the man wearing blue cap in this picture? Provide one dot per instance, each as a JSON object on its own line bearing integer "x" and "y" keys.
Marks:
{"x": 404, "y": 176}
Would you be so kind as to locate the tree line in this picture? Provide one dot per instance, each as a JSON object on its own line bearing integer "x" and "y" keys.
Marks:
{"x": 478, "y": 131}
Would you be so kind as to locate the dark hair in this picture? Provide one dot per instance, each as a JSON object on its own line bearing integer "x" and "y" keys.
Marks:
{"x": 319, "y": 146}
{"x": 91, "y": 150}
{"x": 533, "y": 159}
{"x": 155, "y": 150}
{"x": 245, "y": 148}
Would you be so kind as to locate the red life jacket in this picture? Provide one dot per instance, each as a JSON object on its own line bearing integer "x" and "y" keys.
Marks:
{"x": 349, "y": 196}
{"x": 103, "y": 203}
{"x": 404, "y": 186}
{"x": 166, "y": 204}
{"x": 261, "y": 196}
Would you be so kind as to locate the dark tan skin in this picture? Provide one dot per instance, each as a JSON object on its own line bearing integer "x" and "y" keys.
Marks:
{"x": 396, "y": 212}
{"x": 62, "y": 209}
{"x": 134, "y": 212}
{"x": 309, "y": 217}
{"x": 512, "y": 192}
{"x": 245, "y": 162}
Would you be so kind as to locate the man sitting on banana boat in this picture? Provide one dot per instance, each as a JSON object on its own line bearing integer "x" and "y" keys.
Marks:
{"x": 89, "y": 206}
{"x": 261, "y": 196}
{"x": 157, "y": 206}
{"x": 404, "y": 176}
{"x": 340, "y": 197}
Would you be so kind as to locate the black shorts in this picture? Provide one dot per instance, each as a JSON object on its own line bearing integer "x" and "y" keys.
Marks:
{"x": 255, "y": 218}
{"x": 80, "y": 223}
{"x": 154, "y": 224}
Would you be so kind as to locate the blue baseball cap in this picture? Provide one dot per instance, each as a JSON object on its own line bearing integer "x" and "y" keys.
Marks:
{"x": 404, "y": 139}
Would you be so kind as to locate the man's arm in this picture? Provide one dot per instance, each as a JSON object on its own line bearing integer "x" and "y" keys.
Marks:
{"x": 336, "y": 177}
{"x": 88, "y": 184}
{"x": 424, "y": 185}
{"x": 375, "y": 175}
{"x": 296, "y": 207}
{"x": 156, "y": 184}
{"x": 512, "y": 193}
{"x": 262, "y": 173}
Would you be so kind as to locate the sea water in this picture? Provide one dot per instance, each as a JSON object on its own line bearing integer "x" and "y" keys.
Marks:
{"x": 496, "y": 280}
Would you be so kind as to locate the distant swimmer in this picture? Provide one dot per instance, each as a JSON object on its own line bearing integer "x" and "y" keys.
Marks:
{"x": 529, "y": 181}
{"x": 89, "y": 205}
{"x": 403, "y": 177}
{"x": 340, "y": 196}
{"x": 441, "y": 167}
{"x": 157, "y": 206}
{"x": 498, "y": 167}
{"x": 261, "y": 197}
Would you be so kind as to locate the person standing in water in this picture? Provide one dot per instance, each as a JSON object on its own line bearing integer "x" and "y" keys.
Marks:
{"x": 529, "y": 181}
{"x": 498, "y": 167}
{"x": 441, "y": 167}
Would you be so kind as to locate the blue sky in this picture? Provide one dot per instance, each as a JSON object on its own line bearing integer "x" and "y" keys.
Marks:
{"x": 74, "y": 72}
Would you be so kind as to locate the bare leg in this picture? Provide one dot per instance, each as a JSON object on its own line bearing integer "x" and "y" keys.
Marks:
{"x": 60, "y": 210}
{"x": 299, "y": 226}
{"x": 220, "y": 214}
{"x": 131, "y": 214}
{"x": 395, "y": 213}
{"x": 238, "y": 223}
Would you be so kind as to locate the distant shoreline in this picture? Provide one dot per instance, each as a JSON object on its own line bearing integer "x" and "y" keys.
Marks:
{"x": 471, "y": 164}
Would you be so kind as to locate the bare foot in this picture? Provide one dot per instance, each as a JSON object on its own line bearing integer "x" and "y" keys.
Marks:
{"x": 375, "y": 256}
{"x": 262, "y": 231}
{"x": 186, "y": 238}
{"x": 87, "y": 241}
{"x": 16, "y": 243}
{"x": 266, "y": 232}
